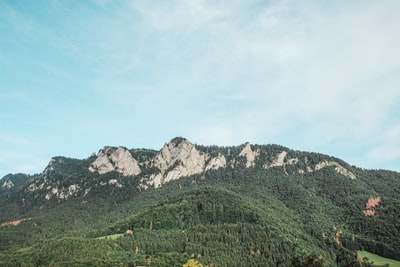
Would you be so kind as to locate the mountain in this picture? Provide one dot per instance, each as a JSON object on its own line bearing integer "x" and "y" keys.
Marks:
{"x": 257, "y": 205}
{"x": 13, "y": 182}
{"x": 140, "y": 168}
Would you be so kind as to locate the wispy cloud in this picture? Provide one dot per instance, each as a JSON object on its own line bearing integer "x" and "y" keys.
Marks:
{"x": 258, "y": 70}
{"x": 311, "y": 75}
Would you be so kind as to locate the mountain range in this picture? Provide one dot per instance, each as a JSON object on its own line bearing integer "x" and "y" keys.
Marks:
{"x": 247, "y": 205}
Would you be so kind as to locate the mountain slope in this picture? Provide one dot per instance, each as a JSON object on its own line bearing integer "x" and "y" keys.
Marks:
{"x": 258, "y": 205}
{"x": 13, "y": 182}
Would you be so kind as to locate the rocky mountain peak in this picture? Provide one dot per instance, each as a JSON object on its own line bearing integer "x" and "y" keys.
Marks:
{"x": 115, "y": 159}
{"x": 8, "y": 184}
{"x": 180, "y": 158}
{"x": 179, "y": 152}
{"x": 52, "y": 166}
{"x": 177, "y": 158}
{"x": 65, "y": 177}
{"x": 250, "y": 155}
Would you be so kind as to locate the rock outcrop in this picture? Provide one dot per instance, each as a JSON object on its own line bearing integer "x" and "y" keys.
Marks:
{"x": 279, "y": 160}
{"x": 12, "y": 182}
{"x": 8, "y": 184}
{"x": 180, "y": 158}
{"x": 176, "y": 159}
{"x": 338, "y": 168}
{"x": 250, "y": 155}
{"x": 112, "y": 159}
{"x": 216, "y": 163}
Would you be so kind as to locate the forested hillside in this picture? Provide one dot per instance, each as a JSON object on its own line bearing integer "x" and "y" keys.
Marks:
{"x": 250, "y": 205}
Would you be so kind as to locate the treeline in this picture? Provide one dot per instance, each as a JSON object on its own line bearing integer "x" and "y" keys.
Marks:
{"x": 226, "y": 217}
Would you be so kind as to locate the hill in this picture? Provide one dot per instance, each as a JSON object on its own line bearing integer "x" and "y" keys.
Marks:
{"x": 248, "y": 205}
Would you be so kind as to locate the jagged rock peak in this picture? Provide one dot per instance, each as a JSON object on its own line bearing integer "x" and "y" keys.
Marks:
{"x": 51, "y": 166}
{"x": 54, "y": 166}
{"x": 8, "y": 184}
{"x": 177, "y": 149}
{"x": 180, "y": 158}
{"x": 279, "y": 160}
{"x": 216, "y": 163}
{"x": 180, "y": 155}
{"x": 115, "y": 159}
{"x": 250, "y": 155}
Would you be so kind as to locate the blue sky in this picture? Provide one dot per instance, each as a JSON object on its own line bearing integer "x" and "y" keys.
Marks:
{"x": 319, "y": 76}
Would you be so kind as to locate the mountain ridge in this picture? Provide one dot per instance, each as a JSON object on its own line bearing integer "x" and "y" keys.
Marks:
{"x": 177, "y": 158}
{"x": 264, "y": 204}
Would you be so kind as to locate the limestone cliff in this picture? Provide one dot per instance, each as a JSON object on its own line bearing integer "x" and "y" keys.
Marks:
{"x": 180, "y": 158}
{"x": 176, "y": 159}
{"x": 112, "y": 159}
{"x": 338, "y": 168}
{"x": 64, "y": 178}
{"x": 216, "y": 162}
{"x": 250, "y": 155}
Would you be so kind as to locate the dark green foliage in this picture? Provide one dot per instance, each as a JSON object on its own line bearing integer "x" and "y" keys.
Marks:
{"x": 234, "y": 216}
{"x": 206, "y": 206}
{"x": 18, "y": 180}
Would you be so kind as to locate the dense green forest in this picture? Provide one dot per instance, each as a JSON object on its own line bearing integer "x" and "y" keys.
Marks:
{"x": 233, "y": 216}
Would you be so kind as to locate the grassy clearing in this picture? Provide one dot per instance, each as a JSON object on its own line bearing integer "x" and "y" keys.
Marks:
{"x": 112, "y": 237}
{"x": 378, "y": 260}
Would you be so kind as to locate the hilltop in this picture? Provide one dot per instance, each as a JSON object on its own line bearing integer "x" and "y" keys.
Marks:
{"x": 258, "y": 205}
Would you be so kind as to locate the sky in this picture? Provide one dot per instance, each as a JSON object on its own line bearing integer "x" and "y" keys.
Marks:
{"x": 321, "y": 76}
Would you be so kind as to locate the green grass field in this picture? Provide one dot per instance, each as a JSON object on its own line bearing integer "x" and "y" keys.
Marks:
{"x": 113, "y": 237}
{"x": 378, "y": 260}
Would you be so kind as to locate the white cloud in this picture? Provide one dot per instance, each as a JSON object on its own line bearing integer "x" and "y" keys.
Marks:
{"x": 226, "y": 72}
{"x": 180, "y": 16}
{"x": 337, "y": 78}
